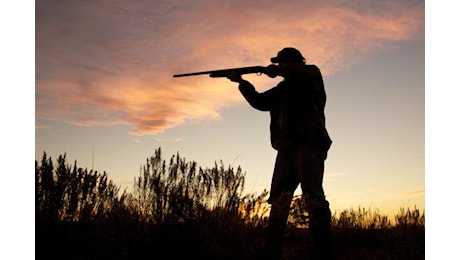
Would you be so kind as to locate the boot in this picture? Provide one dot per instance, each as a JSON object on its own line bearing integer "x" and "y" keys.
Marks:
{"x": 321, "y": 234}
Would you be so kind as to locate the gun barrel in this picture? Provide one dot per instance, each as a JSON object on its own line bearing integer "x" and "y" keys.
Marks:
{"x": 192, "y": 74}
{"x": 224, "y": 72}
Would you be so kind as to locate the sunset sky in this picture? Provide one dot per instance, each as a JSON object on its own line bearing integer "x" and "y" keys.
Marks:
{"x": 105, "y": 95}
{"x": 93, "y": 79}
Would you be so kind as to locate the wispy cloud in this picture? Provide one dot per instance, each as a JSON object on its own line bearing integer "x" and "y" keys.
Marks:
{"x": 416, "y": 192}
{"x": 334, "y": 176}
{"x": 105, "y": 63}
{"x": 161, "y": 140}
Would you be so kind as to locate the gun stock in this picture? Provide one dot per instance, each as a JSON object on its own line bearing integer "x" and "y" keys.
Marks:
{"x": 224, "y": 72}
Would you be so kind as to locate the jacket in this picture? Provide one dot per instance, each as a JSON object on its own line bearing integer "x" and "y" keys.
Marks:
{"x": 296, "y": 107}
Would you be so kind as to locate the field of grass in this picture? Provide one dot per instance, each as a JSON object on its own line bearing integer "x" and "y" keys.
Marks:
{"x": 177, "y": 209}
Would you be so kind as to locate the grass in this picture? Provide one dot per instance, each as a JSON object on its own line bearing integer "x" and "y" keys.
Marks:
{"x": 178, "y": 209}
{"x": 218, "y": 235}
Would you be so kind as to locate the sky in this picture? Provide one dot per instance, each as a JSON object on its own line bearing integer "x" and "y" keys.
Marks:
{"x": 105, "y": 95}
{"x": 93, "y": 80}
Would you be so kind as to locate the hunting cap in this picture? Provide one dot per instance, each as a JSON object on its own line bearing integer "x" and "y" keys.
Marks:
{"x": 288, "y": 54}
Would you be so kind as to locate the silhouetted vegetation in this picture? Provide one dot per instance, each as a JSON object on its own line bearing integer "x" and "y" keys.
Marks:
{"x": 178, "y": 209}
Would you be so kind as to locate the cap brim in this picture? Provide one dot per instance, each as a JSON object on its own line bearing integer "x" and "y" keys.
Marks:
{"x": 275, "y": 60}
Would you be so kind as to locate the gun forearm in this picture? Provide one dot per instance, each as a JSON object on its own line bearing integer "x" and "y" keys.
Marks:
{"x": 239, "y": 71}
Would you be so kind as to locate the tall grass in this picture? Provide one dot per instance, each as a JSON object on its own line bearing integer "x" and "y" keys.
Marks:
{"x": 80, "y": 214}
{"x": 183, "y": 191}
{"x": 72, "y": 193}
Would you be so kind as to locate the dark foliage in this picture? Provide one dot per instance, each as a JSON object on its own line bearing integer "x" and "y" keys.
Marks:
{"x": 178, "y": 210}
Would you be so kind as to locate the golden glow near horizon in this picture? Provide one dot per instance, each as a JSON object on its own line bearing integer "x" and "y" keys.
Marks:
{"x": 104, "y": 79}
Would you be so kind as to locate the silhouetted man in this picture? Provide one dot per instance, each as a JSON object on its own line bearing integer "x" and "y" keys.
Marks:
{"x": 298, "y": 133}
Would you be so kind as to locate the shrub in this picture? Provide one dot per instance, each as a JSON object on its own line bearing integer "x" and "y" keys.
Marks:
{"x": 80, "y": 215}
{"x": 183, "y": 191}
{"x": 72, "y": 193}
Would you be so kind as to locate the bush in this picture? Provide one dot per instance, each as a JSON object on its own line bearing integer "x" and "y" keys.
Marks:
{"x": 183, "y": 191}
{"x": 80, "y": 214}
{"x": 72, "y": 193}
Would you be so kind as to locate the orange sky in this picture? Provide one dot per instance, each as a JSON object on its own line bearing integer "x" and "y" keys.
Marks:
{"x": 103, "y": 85}
{"x": 98, "y": 64}
{"x": 83, "y": 55}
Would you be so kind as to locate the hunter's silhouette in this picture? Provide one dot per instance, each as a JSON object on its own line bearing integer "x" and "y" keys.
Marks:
{"x": 298, "y": 133}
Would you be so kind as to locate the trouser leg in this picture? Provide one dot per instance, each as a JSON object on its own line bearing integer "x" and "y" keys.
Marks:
{"x": 310, "y": 165}
{"x": 277, "y": 224}
{"x": 284, "y": 183}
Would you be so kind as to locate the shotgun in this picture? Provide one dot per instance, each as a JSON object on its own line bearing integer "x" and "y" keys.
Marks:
{"x": 224, "y": 72}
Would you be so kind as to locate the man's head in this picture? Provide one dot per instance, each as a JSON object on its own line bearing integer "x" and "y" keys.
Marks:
{"x": 288, "y": 54}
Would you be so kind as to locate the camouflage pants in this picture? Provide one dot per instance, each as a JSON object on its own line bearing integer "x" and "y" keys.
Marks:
{"x": 304, "y": 166}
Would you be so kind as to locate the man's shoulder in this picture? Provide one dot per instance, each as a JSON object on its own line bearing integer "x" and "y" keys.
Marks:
{"x": 312, "y": 68}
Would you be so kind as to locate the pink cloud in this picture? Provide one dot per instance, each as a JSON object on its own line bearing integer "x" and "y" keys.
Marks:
{"x": 101, "y": 63}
